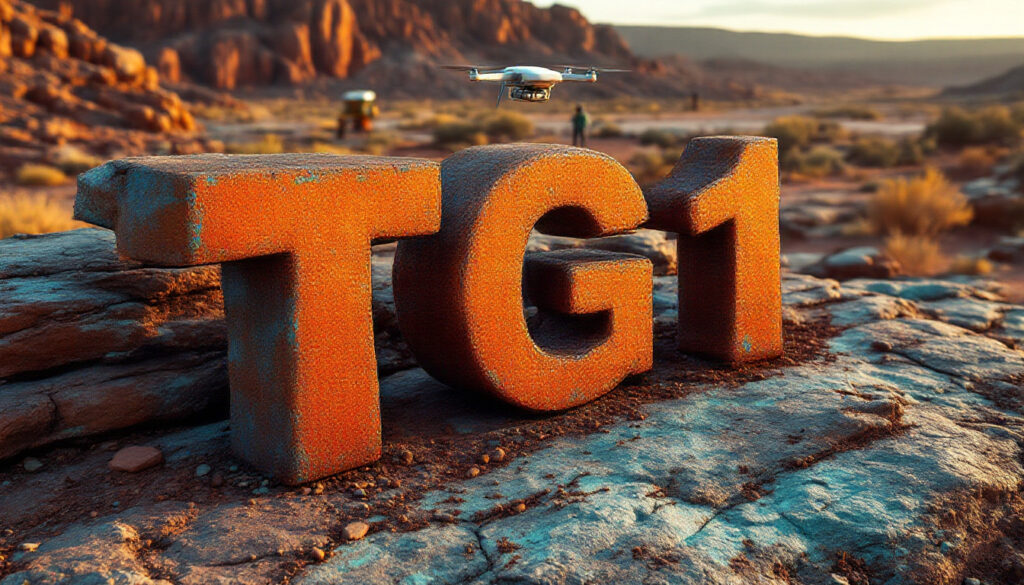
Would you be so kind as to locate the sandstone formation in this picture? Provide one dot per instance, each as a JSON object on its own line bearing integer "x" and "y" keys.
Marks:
{"x": 91, "y": 343}
{"x": 392, "y": 45}
{"x": 884, "y": 448}
{"x": 63, "y": 85}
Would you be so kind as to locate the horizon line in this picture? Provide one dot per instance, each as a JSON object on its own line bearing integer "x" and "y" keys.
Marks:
{"x": 814, "y": 36}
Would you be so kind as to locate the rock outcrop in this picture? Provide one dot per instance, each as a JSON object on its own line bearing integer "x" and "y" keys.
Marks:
{"x": 63, "y": 85}
{"x": 885, "y": 447}
{"x": 391, "y": 45}
{"x": 91, "y": 343}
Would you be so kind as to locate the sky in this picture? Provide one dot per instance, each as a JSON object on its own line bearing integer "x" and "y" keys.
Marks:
{"x": 876, "y": 19}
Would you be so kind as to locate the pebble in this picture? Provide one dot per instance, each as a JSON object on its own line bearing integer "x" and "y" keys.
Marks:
{"x": 32, "y": 464}
{"x": 233, "y": 468}
{"x": 29, "y": 546}
{"x": 355, "y": 530}
{"x": 202, "y": 470}
{"x": 359, "y": 493}
{"x": 442, "y": 517}
{"x": 972, "y": 581}
{"x": 519, "y": 508}
{"x": 946, "y": 547}
{"x": 318, "y": 488}
{"x": 406, "y": 457}
{"x": 473, "y": 471}
{"x": 317, "y": 554}
{"x": 498, "y": 454}
{"x": 261, "y": 491}
{"x": 485, "y": 459}
{"x": 136, "y": 458}
{"x": 306, "y": 490}
{"x": 882, "y": 346}
{"x": 360, "y": 507}
{"x": 217, "y": 480}
{"x": 839, "y": 580}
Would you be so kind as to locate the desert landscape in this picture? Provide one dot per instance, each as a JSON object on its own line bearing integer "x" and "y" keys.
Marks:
{"x": 886, "y": 446}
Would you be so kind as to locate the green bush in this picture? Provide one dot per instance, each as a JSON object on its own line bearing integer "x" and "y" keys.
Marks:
{"x": 792, "y": 132}
{"x": 608, "y": 130}
{"x": 507, "y": 126}
{"x": 874, "y": 152}
{"x": 849, "y": 112}
{"x": 956, "y": 127}
{"x": 912, "y": 152}
{"x": 820, "y": 161}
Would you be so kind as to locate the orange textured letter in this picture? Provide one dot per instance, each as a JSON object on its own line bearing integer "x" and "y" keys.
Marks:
{"x": 722, "y": 198}
{"x": 293, "y": 233}
{"x": 459, "y": 293}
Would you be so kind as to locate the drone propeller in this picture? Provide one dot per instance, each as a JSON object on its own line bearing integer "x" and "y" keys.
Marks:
{"x": 467, "y": 67}
{"x": 598, "y": 69}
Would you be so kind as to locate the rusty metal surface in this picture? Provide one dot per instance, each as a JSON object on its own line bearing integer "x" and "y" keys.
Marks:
{"x": 459, "y": 292}
{"x": 722, "y": 198}
{"x": 293, "y": 232}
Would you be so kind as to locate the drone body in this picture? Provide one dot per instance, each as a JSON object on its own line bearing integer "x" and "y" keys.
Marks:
{"x": 523, "y": 83}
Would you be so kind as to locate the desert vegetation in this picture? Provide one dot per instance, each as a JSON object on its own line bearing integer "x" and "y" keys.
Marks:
{"x": 33, "y": 214}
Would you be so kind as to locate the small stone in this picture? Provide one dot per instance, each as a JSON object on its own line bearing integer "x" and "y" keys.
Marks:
{"x": 233, "y": 468}
{"x": 355, "y": 530}
{"x": 881, "y": 346}
{"x": 136, "y": 458}
{"x": 217, "y": 480}
{"x": 29, "y": 546}
{"x": 473, "y": 471}
{"x": 202, "y": 470}
{"x": 498, "y": 454}
{"x": 946, "y": 547}
{"x": 359, "y": 493}
{"x": 972, "y": 581}
{"x": 252, "y": 502}
{"x": 360, "y": 507}
{"x": 406, "y": 457}
{"x": 93, "y": 514}
{"x": 839, "y": 580}
{"x": 318, "y": 488}
{"x": 306, "y": 490}
{"x": 396, "y": 483}
{"x": 519, "y": 508}
{"x": 442, "y": 517}
{"x": 261, "y": 491}
{"x": 317, "y": 554}
{"x": 485, "y": 459}
{"x": 32, "y": 464}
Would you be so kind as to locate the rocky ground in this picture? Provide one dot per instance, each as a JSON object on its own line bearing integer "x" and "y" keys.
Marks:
{"x": 885, "y": 447}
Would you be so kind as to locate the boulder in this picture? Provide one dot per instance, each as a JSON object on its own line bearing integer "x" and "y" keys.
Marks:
{"x": 860, "y": 262}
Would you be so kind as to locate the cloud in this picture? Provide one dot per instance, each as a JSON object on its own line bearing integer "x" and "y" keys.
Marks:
{"x": 839, "y": 9}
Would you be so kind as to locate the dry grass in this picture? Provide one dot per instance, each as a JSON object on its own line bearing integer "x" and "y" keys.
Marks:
{"x": 923, "y": 206}
{"x": 268, "y": 144}
{"x": 917, "y": 255}
{"x": 972, "y": 265}
{"x": 33, "y": 214}
{"x": 34, "y": 175}
{"x": 975, "y": 161}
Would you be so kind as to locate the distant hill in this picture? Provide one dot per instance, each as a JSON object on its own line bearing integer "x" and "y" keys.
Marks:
{"x": 929, "y": 63}
{"x": 1009, "y": 83}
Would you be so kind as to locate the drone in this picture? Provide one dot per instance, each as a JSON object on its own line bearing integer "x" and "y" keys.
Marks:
{"x": 523, "y": 83}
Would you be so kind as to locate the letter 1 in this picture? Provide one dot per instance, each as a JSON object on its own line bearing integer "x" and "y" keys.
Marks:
{"x": 722, "y": 198}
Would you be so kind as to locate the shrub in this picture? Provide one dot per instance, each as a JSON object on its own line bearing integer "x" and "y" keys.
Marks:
{"x": 923, "y": 206}
{"x": 820, "y": 161}
{"x": 33, "y": 214}
{"x": 267, "y": 144}
{"x": 608, "y": 130}
{"x": 850, "y": 112}
{"x": 971, "y": 265}
{"x": 73, "y": 161}
{"x": 975, "y": 161}
{"x": 489, "y": 127}
{"x": 507, "y": 126}
{"x": 956, "y": 127}
{"x": 874, "y": 152}
{"x": 917, "y": 255}
{"x": 39, "y": 176}
{"x": 912, "y": 152}
{"x": 659, "y": 138}
{"x": 792, "y": 132}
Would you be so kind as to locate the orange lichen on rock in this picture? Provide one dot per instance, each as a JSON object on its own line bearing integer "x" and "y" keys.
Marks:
{"x": 722, "y": 198}
{"x": 293, "y": 233}
{"x": 459, "y": 293}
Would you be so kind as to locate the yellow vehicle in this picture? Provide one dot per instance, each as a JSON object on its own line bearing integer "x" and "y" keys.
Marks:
{"x": 360, "y": 106}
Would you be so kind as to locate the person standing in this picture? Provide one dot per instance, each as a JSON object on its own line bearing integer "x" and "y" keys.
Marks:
{"x": 579, "y": 127}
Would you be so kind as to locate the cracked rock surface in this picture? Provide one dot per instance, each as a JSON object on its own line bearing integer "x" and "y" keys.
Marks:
{"x": 891, "y": 456}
